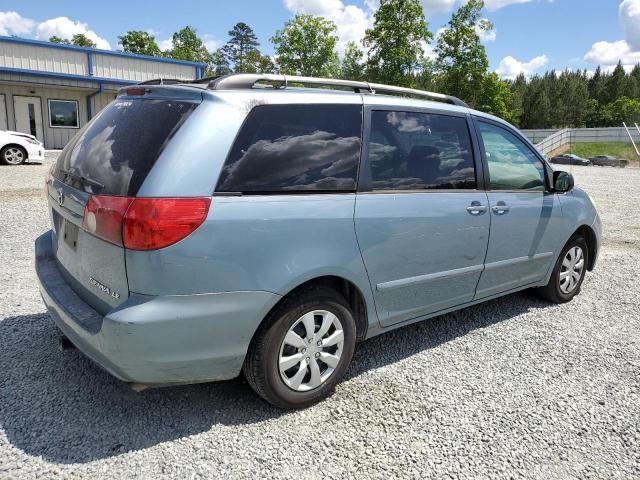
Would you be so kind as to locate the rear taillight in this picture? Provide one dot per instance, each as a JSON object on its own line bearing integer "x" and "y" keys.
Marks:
{"x": 103, "y": 216}
{"x": 144, "y": 223}
{"x": 152, "y": 223}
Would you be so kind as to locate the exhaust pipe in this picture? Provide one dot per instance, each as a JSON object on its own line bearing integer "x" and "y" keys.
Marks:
{"x": 65, "y": 344}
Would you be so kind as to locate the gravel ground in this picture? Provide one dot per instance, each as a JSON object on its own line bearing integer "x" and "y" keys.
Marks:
{"x": 514, "y": 388}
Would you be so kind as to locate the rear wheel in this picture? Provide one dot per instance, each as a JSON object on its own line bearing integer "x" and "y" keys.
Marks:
{"x": 13, "y": 155}
{"x": 568, "y": 273}
{"x": 303, "y": 349}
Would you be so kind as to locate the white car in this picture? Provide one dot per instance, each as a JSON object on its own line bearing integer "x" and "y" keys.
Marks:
{"x": 18, "y": 147}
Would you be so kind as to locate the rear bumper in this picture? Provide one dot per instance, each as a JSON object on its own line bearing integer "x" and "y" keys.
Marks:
{"x": 156, "y": 340}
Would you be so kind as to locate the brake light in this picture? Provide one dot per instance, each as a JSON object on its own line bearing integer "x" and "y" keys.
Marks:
{"x": 144, "y": 223}
{"x": 152, "y": 223}
{"x": 103, "y": 216}
{"x": 134, "y": 90}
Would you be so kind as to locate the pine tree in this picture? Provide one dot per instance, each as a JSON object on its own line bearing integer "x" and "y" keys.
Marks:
{"x": 242, "y": 41}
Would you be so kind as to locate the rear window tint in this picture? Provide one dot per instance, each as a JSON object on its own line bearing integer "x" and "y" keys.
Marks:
{"x": 295, "y": 148}
{"x": 114, "y": 153}
{"x": 420, "y": 151}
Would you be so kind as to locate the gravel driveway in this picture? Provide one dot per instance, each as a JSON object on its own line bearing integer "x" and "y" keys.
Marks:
{"x": 514, "y": 388}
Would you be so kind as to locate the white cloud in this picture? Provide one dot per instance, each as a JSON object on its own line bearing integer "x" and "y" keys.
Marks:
{"x": 64, "y": 27}
{"x": 165, "y": 44}
{"x": 210, "y": 42}
{"x": 487, "y": 36}
{"x": 439, "y": 6}
{"x": 629, "y": 15}
{"x": 610, "y": 53}
{"x": 497, "y": 4}
{"x": 351, "y": 21}
{"x": 12, "y": 23}
{"x": 627, "y": 51}
{"x": 510, "y": 67}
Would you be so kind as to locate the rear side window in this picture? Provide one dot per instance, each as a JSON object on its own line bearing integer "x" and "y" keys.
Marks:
{"x": 420, "y": 151}
{"x": 295, "y": 148}
{"x": 114, "y": 153}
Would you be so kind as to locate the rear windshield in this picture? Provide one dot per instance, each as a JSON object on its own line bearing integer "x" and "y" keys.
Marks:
{"x": 295, "y": 148}
{"x": 114, "y": 153}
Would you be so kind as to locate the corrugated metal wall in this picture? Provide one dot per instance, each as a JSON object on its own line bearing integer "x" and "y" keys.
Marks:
{"x": 128, "y": 68}
{"x": 53, "y": 137}
{"x": 101, "y": 100}
{"x": 31, "y": 57}
{"x": 68, "y": 61}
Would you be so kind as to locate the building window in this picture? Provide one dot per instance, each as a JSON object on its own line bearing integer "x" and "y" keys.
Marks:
{"x": 63, "y": 114}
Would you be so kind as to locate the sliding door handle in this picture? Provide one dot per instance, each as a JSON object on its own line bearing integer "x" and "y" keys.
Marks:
{"x": 477, "y": 209}
{"x": 500, "y": 209}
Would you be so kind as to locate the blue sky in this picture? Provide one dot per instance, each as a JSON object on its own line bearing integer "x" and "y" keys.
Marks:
{"x": 530, "y": 35}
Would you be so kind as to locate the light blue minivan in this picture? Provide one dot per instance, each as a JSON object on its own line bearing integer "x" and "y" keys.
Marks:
{"x": 250, "y": 223}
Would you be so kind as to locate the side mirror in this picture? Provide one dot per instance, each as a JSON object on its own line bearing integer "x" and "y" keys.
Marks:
{"x": 562, "y": 182}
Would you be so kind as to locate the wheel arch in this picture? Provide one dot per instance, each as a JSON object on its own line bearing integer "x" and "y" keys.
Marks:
{"x": 16, "y": 145}
{"x": 349, "y": 290}
{"x": 589, "y": 235}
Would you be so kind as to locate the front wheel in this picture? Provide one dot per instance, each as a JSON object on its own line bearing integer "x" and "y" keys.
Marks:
{"x": 11, "y": 155}
{"x": 302, "y": 350}
{"x": 568, "y": 273}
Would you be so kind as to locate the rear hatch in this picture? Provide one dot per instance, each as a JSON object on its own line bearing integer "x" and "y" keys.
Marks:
{"x": 96, "y": 179}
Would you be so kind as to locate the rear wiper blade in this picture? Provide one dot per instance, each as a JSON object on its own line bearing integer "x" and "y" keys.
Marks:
{"x": 83, "y": 179}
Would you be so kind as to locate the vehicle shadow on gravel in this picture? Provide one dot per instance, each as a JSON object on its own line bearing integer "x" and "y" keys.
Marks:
{"x": 66, "y": 409}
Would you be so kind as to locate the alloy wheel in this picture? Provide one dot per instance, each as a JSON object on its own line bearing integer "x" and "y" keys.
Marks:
{"x": 13, "y": 156}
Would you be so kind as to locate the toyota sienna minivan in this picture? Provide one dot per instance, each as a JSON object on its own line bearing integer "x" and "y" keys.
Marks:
{"x": 255, "y": 224}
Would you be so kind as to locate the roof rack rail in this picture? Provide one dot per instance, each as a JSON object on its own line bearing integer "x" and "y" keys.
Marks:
{"x": 162, "y": 81}
{"x": 237, "y": 81}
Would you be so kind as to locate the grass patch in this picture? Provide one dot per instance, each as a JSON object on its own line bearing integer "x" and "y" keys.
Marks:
{"x": 619, "y": 150}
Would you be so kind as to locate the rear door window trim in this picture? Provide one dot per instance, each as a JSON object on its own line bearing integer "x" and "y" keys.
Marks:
{"x": 364, "y": 174}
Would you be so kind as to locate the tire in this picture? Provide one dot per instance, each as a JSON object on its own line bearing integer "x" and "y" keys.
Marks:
{"x": 13, "y": 155}
{"x": 296, "y": 387}
{"x": 560, "y": 289}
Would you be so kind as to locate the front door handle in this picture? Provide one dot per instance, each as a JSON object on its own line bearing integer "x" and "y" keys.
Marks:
{"x": 476, "y": 209}
{"x": 500, "y": 208}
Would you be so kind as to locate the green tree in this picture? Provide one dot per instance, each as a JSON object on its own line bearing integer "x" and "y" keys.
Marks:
{"x": 518, "y": 90}
{"x": 255, "y": 62}
{"x": 496, "y": 97}
{"x": 461, "y": 57}
{"x": 306, "y": 46}
{"x": 79, "y": 39}
{"x": 352, "y": 67}
{"x": 186, "y": 45}
{"x": 395, "y": 43}
{"x": 536, "y": 106}
{"x": 242, "y": 41}
{"x": 621, "y": 110}
{"x": 56, "y": 39}
{"x": 598, "y": 86}
{"x": 218, "y": 64}
{"x": 616, "y": 85}
{"x": 634, "y": 83}
{"x": 139, "y": 42}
